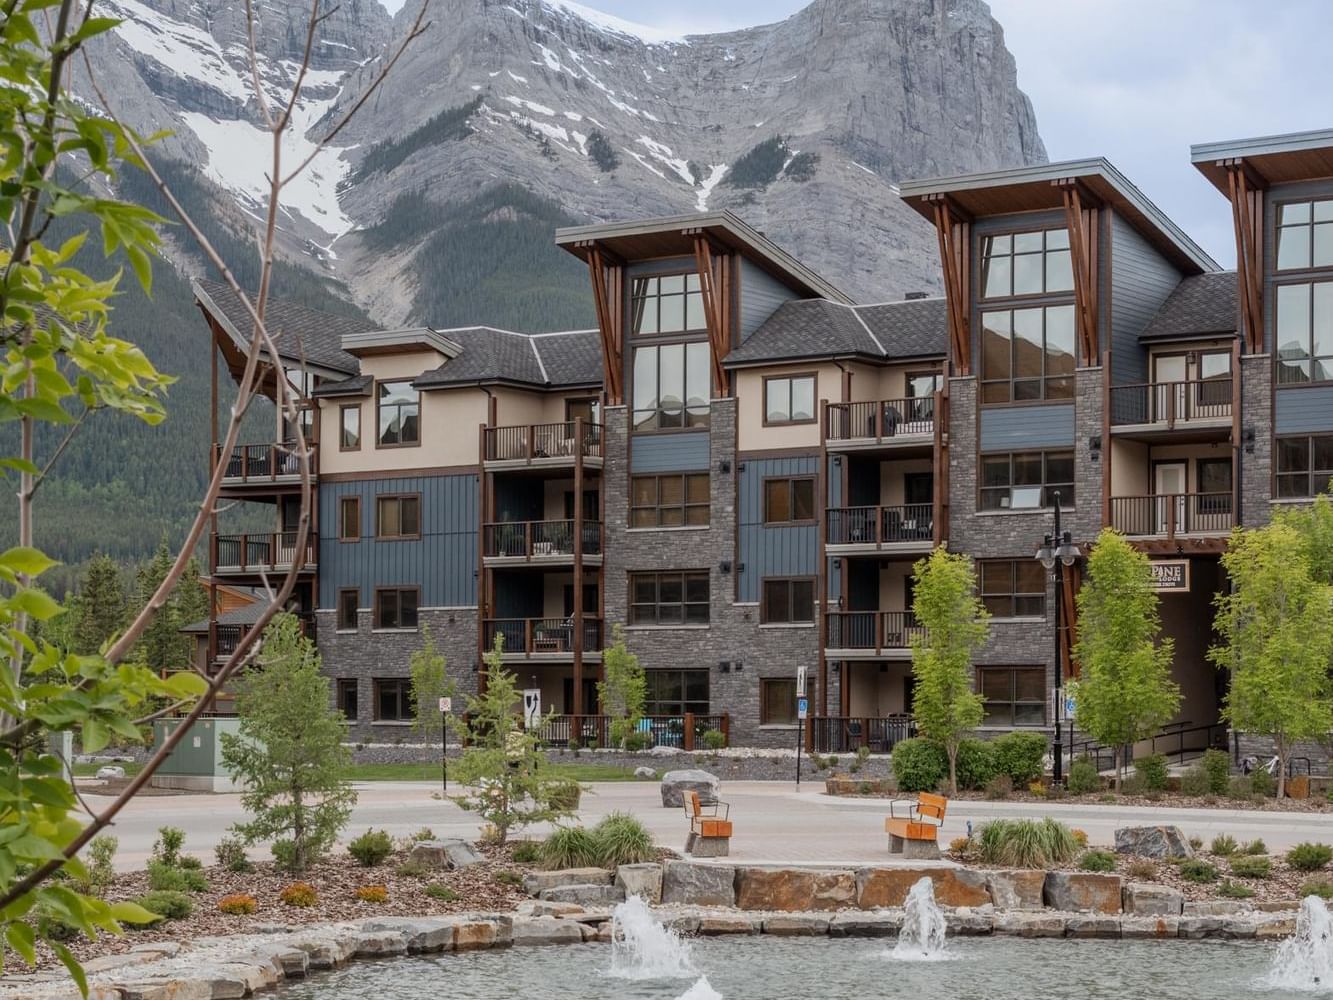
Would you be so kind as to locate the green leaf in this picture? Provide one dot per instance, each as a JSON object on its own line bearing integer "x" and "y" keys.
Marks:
{"x": 185, "y": 684}
{"x": 72, "y": 965}
{"x": 132, "y": 913}
{"x": 23, "y": 940}
{"x": 36, "y": 603}
{"x": 95, "y": 736}
{"x": 22, "y": 559}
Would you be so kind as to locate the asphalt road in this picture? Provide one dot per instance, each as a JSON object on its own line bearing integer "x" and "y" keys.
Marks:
{"x": 773, "y": 821}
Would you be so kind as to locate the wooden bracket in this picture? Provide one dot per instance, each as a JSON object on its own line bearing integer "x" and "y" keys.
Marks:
{"x": 607, "y": 282}
{"x": 1082, "y": 218}
{"x": 715, "y": 283}
{"x": 1247, "y": 211}
{"x": 954, "y": 230}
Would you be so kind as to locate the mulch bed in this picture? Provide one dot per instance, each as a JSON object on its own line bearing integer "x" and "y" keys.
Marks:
{"x": 1163, "y": 800}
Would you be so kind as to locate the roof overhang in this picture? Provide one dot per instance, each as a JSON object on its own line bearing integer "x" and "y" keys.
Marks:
{"x": 673, "y": 236}
{"x": 1275, "y": 159}
{"x": 405, "y": 341}
{"x": 1039, "y": 188}
{"x": 860, "y": 357}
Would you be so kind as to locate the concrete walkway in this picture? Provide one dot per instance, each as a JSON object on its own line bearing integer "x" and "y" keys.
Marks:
{"x": 774, "y": 822}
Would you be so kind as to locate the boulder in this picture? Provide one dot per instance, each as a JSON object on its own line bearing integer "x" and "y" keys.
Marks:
{"x": 546, "y": 930}
{"x": 478, "y": 935}
{"x": 1153, "y": 842}
{"x": 797, "y": 925}
{"x": 856, "y": 923}
{"x": 967, "y": 922}
{"x": 1200, "y": 927}
{"x": 664, "y": 751}
{"x": 676, "y": 783}
{"x": 644, "y": 772}
{"x": 1016, "y": 890}
{"x": 1151, "y": 899}
{"x": 698, "y": 884}
{"x": 583, "y": 895}
{"x": 445, "y": 854}
{"x": 641, "y": 880}
{"x": 165, "y": 989}
{"x": 423, "y": 935}
{"x": 537, "y": 908}
{"x": 1093, "y": 926}
{"x": 1275, "y": 925}
{"x": 794, "y": 889}
{"x": 295, "y": 963}
{"x": 110, "y": 771}
{"x": 376, "y": 944}
{"x": 714, "y": 924}
{"x": 1134, "y": 928}
{"x": 1020, "y": 923}
{"x": 535, "y": 882}
{"x": 1213, "y": 907}
{"x": 325, "y": 952}
{"x": 880, "y": 887}
{"x": 223, "y": 985}
{"x": 1075, "y": 892}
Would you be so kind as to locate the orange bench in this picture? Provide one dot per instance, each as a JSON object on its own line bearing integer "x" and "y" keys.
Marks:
{"x": 710, "y": 834}
{"x": 913, "y": 826}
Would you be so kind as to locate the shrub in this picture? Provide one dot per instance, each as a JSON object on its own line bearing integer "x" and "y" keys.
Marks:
{"x": 371, "y": 848}
{"x": 1216, "y": 764}
{"x": 919, "y": 765}
{"x": 1195, "y": 782}
{"x": 862, "y": 755}
{"x": 372, "y": 894}
{"x": 622, "y": 840}
{"x": 1256, "y": 846}
{"x": 167, "y": 903}
{"x": 1097, "y": 861}
{"x": 527, "y": 852}
{"x": 50, "y": 925}
{"x": 1152, "y": 770}
{"x": 413, "y": 869}
{"x": 163, "y": 877}
{"x": 238, "y": 904}
{"x": 1080, "y": 837}
{"x": 1000, "y": 787}
{"x": 714, "y": 739}
{"x": 167, "y": 847}
{"x": 1239, "y": 789}
{"x": 1133, "y": 785}
{"x": 1234, "y": 890}
{"x": 190, "y": 862}
{"x": 440, "y": 891}
{"x": 975, "y": 762}
{"x": 960, "y": 845}
{"x": 566, "y": 795}
{"x": 1026, "y": 843}
{"x": 1249, "y": 866}
{"x": 1037, "y": 788}
{"x": 1196, "y": 870}
{"x": 301, "y": 894}
{"x": 1320, "y": 886}
{"x": 507, "y": 877}
{"x": 1262, "y": 783}
{"x": 1020, "y": 755}
{"x": 1309, "y": 857}
{"x": 1196, "y": 843}
{"x": 1083, "y": 777}
{"x": 1141, "y": 869}
{"x": 569, "y": 847}
{"x": 1223, "y": 845}
{"x": 231, "y": 855}
{"x": 100, "y": 865}
{"x": 425, "y": 833}
{"x": 638, "y": 741}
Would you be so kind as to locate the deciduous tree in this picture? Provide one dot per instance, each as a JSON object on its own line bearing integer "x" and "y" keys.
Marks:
{"x": 625, "y": 688}
{"x": 430, "y": 682}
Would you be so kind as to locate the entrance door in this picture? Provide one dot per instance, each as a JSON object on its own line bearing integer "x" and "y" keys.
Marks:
{"x": 1169, "y": 391}
{"x": 1169, "y": 485}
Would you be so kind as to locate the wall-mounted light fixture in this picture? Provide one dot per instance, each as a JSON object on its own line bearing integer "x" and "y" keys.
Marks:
{"x": 724, "y": 667}
{"x": 1095, "y": 448}
{"x": 1247, "y": 439}
{"x": 724, "y": 567}
{"x": 724, "y": 466}
{"x": 835, "y": 667}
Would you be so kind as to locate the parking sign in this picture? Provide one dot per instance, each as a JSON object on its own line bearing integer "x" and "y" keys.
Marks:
{"x": 802, "y": 708}
{"x": 800, "y": 682}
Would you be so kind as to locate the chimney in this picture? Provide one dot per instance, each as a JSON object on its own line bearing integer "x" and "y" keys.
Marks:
{"x": 914, "y": 296}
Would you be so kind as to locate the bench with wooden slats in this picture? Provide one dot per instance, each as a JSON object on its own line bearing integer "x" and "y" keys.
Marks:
{"x": 916, "y": 820}
{"x": 710, "y": 833}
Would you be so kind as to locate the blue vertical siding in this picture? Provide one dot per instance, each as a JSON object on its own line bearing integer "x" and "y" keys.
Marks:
{"x": 1013, "y": 428}
{"x": 443, "y": 562}
{"x": 1303, "y": 411}
{"x": 1141, "y": 280}
{"x": 761, "y": 294}
{"x": 768, "y": 550}
{"x": 682, "y": 452}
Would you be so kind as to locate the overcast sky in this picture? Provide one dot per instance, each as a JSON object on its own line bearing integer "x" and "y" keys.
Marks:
{"x": 1136, "y": 81}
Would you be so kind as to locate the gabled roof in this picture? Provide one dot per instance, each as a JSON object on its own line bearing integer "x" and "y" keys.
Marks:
{"x": 1033, "y": 189}
{"x": 357, "y": 385}
{"x": 809, "y": 329}
{"x": 571, "y": 358}
{"x": 301, "y": 334}
{"x": 246, "y": 614}
{"x": 1277, "y": 159}
{"x": 673, "y": 236}
{"x": 1201, "y": 305}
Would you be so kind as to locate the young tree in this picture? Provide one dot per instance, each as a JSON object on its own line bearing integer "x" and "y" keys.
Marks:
{"x": 161, "y": 645}
{"x": 1275, "y": 639}
{"x": 430, "y": 683}
{"x": 945, "y": 705}
{"x": 289, "y": 754}
{"x": 1125, "y": 691}
{"x": 509, "y": 782}
{"x": 625, "y": 689}
{"x": 102, "y": 606}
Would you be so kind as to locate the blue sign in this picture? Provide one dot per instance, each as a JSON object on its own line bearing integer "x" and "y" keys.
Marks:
{"x": 802, "y": 707}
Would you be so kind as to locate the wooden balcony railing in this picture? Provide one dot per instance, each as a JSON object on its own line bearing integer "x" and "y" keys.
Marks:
{"x": 253, "y": 553}
{"x": 685, "y": 731}
{"x": 845, "y": 734}
{"x": 539, "y": 539}
{"x": 1168, "y": 515}
{"x": 542, "y": 635}
{"x": 880, "y": 420}
{"x": 913, "y": 522}
{"x": 530, "y": 442}
{"x": 871, "y": 630}
{"x": 228, "y": 636}
{"x": 266, "y": 463}
{"x": 1171, "y": 403}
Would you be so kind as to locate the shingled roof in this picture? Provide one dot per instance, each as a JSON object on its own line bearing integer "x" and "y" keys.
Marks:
{"x": 539, "y": 360}
{"x": 818, "y": 328}
{"x": 1200, "y": 305}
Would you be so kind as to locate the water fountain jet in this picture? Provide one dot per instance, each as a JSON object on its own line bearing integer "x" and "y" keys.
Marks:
{"x": 1304, "y": 961}
{"x": 922, "y": 936}
{"x": 642, "y": 948}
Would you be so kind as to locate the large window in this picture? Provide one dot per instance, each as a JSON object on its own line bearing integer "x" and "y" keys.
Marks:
{"x": 1304, "y": 465}
{"x": 347, "y": 602}
{"x": 1015, "y": 696}
{"x": 669, "y": 303}
{"x": 398, "y": 516}
{"x": 1027, "y": 354}
{"x": 1214, "y": 475}
{"x": 789, "y": 400}
{"x": 1026, "y": 479}
{"x": 789, "y": 499}
{"x": 1026, "y": 264}
{"x": 670, "y": 598}
{"x": 1014, "y": 588}
{"x": 396, "y": 607}
{"x": 777, "y": 701}
{"x": 349, "y": 519}
{"x": 1304, "y": 235}
{"x": 349, "y": 433}
{"x": 393, "y": 700}
{"x": 399, "y": 414}
{"x": 788, "y": 601}
{"x": 587, "y": 410}
{"x": 1305, "y": 332}
{"x": 347, "y": 701}
{"x": 669, "y": 501}
{"x": 671, "y": 386}
{"x": 675, "y": 692}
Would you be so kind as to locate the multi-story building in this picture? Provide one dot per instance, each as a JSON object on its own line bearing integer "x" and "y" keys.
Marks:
{"x": 739, "y": 465}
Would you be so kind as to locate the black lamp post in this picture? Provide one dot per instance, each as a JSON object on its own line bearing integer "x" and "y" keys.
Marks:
{"x": 1058, "y": 551}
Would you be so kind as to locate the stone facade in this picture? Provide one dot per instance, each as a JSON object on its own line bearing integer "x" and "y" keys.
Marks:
{"x": 1256, "y": 413}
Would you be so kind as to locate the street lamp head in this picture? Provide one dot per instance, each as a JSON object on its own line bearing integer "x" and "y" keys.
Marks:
{"x": 1046, "y": 554}
{"x": 1067, "y": 552}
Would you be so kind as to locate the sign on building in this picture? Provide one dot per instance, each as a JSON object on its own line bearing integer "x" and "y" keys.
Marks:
{"x": 1171, "y": 575}
{"x": 532, "y": 707}
{"x": 800, "y": 682}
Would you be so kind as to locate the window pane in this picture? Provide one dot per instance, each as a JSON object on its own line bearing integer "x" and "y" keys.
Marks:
{"x": 1029, "y": 607}
{"x": 777, "y": 500}
{"x": 1322, "y": 319}
{"x": 349, "y": 526}
{"x": 671, "y": 491}
{"x": 347, "y": 601}
{"x": 777, "y": 607}
{"x": 407, "y": 605}
{"x": 1322, "y": 448}
{"x": 1060, "y": 340}
{"x": 995, "y": 392}
{"x": 672, "y": 377}
{"x": 1027, "y": 469}
{"x": 644, "y": 589}
{"x": 1027, "y": 343}
{"x": 697, "y": 488}
{"x": 1293, "y": 212}
{"x": 645, "y": 379}
{"x": 995, "y": 470}
{"x": 803, "y": 600}
{"x": 803, "y": 499}
{"x": 1323, "y": 211}
{"x": 995, "y": 334}
{"x": 387, "y": 604}
{"x": 995, "y": 684}
{"x": 697, "y": 514}
{"x": 351, "y": 427}
{"x": 777, "y": 400}
{"x": 1293, "y": 455}
{"x": 1028, "y": 242}
{"x": 670, "y": 517}
{"x": 1030, "y": 715}
{"x": 1027, "y": 273}
{"x": 389, "y": 525}
{"x": 1057, "y": 239}
{"x": 696, "y": 588}
{"x": 1323, "y": 243}
{"x": 999, "y": 607}
{"x": 697, "y": 389}
{"x": 1029, "y": 577}
{"x": 803, "y": 398}
{"x": 1059, "y": 271}
{"x": 996, "y": 577}
{"x": 1215, "y": 476}
{"x": 1293, "y": 321}
{"x": 995, "y": 279}
{"x": 1293, "y": 247}
{"x": 644, "y": 489}
{"x": 672, "y": 314}
{"x": 411, "y": 515}
{"x": 1030, "y": 685}
{"x": 1060, "y": 468}
{"x": 695, "y": 318}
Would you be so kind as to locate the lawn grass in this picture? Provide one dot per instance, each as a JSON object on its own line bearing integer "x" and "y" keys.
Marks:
{"x": 431, "y": 772}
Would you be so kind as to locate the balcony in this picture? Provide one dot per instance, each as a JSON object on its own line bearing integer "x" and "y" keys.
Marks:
{"x": 555, "y": 445}
{"x": 228, "y": 636}
{"x": 880, "y": 423}
{"x": 541, "y": 638}
{"x": 265, "y": 465}
{"x": 839, "y": 734}
{"x": 253, "y": 554}
{"x": 1170, "y": 515}
{"x": 539, "y": 542}
{"x": 906, "y": 527}
{"x": 1156, "y": 409}
{"x": 870, "y": 634}
{"x": 593, "y": 731}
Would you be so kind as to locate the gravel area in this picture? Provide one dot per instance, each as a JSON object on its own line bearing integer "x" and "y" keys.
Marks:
{"x": 1172, "y": 800}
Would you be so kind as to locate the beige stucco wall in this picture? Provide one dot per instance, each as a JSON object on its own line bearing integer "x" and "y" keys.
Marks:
{"x": 1129, "y": 469}
{"x": 748, "y": 386}
{"x": 893, "y": 578}
{"x": 891, "y": 478}
{"x": 874, "y": 692}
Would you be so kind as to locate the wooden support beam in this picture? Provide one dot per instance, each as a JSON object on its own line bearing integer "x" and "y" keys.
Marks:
{"x": 715, "y": 310}
{"x": 954, "y": 233}
{"x": 608, "y": 324}
{"x": 1082, "y": 221}
{"x": 1247, "y": 213}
